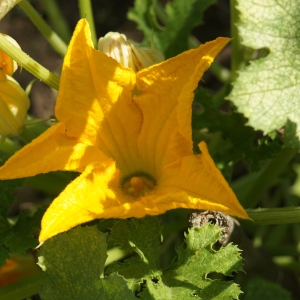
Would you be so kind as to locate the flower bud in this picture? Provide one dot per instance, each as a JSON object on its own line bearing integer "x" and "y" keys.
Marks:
{"x": 7, "y": 64}
{"x": 14, "y": 104}
{"x": 6, "y": 6}
{"x": 118, "y": 47}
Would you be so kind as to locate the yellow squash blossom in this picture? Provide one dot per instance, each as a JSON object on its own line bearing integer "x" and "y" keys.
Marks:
{"x": 129, "y": 134}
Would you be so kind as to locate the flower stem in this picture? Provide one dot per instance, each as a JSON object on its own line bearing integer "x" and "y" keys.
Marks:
{"x": 57, "y": 20}
{"x": 266, "y": 177}
{"x": 237, "y": 59}
{"x": 265, "y": 216}
{"x": 28, "y": 63}
{"x": 55, "y": 41}
{"x": 86, "y": 11}
{"x": 9, "y": 147}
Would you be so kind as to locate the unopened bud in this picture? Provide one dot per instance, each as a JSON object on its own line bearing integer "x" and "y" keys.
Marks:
{"x": 118, "y": 47}
{"x": 7, "y": 64}
{"x": 6, "y": 6}
{"x": 14, "y": 104}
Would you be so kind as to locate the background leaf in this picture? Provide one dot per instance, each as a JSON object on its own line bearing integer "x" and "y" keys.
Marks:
{"x": 178, "y": 18}
{"x": 267, "y": 91}
{"x": 258, "y": 288}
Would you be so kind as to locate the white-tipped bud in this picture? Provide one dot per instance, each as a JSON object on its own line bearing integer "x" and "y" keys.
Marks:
{"x": 6, "y": 6}
{"x": 117, "y": 46}
{"x": 7, "y": 64}
{"x": 14, "y": 104}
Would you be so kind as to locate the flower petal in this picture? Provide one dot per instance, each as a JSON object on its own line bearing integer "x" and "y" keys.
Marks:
{"x": 201, "y": 184}
{"x": 165, "y": 100}
{"x": 87, "y": 198}
{"x": 94, "y": 100}
{"x": 51, "y": 151}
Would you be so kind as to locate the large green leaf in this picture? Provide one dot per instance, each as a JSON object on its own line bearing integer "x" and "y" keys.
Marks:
{"x": 73, "y": 262}
{"x": 179, "y": 18}
{"x": 267, "y": 91}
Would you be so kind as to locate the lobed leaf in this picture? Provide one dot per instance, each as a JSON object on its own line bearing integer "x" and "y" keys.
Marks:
{"x": 267, "y": 91}
{"x": 180, "y": 17}
{"x": 185, "y": 278}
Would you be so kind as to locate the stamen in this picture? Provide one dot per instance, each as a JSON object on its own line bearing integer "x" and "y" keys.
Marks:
{"x": 138, "y": 185}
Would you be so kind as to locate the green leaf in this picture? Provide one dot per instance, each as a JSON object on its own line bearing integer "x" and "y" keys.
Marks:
{"x": 4, "y": 255}
{"x": 237, "y": 141}
{"x": 20, "y": 237}
{"x": 185, "y": 278}
{"x": 74, "y": 262}
{"x": 267, "y": 91}
{"x": 7, "y": 188}
{"x": 142, "y": 236}
{"x": 179, "y": 18}
{"x": 197, "y": 259}
{"x": 258, "y": 288}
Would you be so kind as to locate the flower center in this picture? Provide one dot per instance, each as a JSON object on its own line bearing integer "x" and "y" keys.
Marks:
{"x": 138, "y": 184}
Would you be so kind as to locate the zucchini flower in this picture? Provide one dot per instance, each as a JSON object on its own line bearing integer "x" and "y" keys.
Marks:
{"x": 129, "y": 135}
{"x": 116, "y": 45}
{"x": 14, "y": 104}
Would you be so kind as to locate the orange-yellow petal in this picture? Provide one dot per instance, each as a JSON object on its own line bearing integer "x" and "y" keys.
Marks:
{"x": 86, "y": 198}
{"x": 7, "y": 64}
{"x": 166, "y": 92}
{"x": 51, "y": 151}
{"x": 200, "y": 184}
{"x": 94, "y": 100}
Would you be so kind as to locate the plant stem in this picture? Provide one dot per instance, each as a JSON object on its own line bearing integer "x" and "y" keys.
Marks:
{"x": 237, "y": 60}
{"x": 9, "y": 147}
{"x": 267, "y": 177}
{"x": 28, "y": 63}
{"x": 54, "y": 40}
{"x": 284, "y": 215}
{"x": 86, "y": 11}
{"x": 57, "y": 20}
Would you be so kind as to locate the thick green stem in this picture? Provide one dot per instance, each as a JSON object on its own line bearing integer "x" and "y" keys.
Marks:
{"x": 265, "y": 216}
{"x": 267, "y": 176}
{"x": 57, "y": 20}
{"x": 24, "y": 61}
{"x": 237, "y": 59}
{"x": 86, "y": 11}
{"x": 54, "y": 40}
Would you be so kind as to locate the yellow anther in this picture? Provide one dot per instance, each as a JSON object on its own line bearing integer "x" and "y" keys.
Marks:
{"x": 138, "y": 185}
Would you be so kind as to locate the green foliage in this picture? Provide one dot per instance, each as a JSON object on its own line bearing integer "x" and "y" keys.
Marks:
{"x": 20, "y": 236}
{"x": 179, "y": 18}
{"x": 258, "y": 288}
{"x": 238, "y": 141}
{"x": 17, "y": 236}
{"x": 187, "y": 275}
{"x": 4, "y": 255}
{"x": 74, "y": 262}
{"x": 267, "y": 91}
